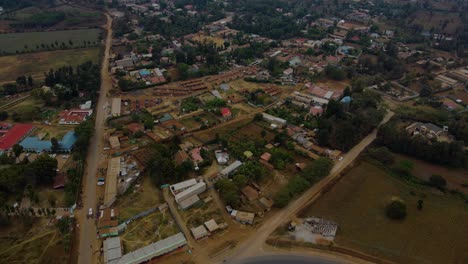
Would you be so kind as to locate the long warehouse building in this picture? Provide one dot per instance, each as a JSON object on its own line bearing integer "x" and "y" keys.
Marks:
{"x": 154, "y": 250}
{"x": 195, "y": 189}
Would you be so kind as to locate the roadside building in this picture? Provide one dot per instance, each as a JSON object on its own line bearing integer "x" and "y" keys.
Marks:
{"x": 113, "y": 170}
{"x": 60, "y": 180}
{"x": 243, "y": 217}
{"x": 74, "y": 116}
{"x": 112, "y": 250}
{"x": 199, "y": 232}
{"x": 266, "y": 203}
{"x": 116, "y": 106}
{"x": 114, "y": 142}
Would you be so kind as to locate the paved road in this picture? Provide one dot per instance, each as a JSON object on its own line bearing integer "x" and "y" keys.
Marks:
{"x": 89, "y": 245}
{"x": 255, "y": 245}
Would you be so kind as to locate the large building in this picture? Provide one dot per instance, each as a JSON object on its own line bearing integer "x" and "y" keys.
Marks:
{"x": 34, "y": 144}
{"x": 154, "y": 250}
{"x": 74, "y": 116}
{"x": 193, "y": 190}
{"x": 113, "y": 171}
{"x": 230, "y": 169}
{"x": 112, "y": 250}
{"x": 13, "y": 134}
{"x": 116, "y": 106}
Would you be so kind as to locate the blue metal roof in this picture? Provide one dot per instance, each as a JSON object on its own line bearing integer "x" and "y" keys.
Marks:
{"x": 37, "y": 145}
{"x": 346, "y": 99}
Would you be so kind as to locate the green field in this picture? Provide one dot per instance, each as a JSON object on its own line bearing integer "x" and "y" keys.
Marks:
{"x": 50, "y": 40}
{"x": 36, "y": 64}
{"x": 436, "y": 234}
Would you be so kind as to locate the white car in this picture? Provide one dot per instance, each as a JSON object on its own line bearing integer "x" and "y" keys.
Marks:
{"x": 90, "y": 211}
{"x": 100, "y": 183}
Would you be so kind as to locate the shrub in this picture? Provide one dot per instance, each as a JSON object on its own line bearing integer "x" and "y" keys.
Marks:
{"x": 437, "y": 181}
{"x": 396, "y": 209}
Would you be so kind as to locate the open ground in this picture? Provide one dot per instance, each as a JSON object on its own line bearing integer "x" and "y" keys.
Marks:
{"x": 435, "y": 234}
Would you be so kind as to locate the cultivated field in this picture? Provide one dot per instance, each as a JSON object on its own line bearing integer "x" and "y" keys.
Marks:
{"x": 36, "y": 64}
{"x": 436, "y": 234}
{"x": 219, "y": 42}
{"x": 36, "y": 41}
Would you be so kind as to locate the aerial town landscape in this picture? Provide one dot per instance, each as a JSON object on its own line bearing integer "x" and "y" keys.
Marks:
{"x": 233, "y": 131}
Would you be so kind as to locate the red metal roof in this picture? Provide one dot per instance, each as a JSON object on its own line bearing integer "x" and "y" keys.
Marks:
{"x": 14, "y": 135}
{"x": 225, "y": 112}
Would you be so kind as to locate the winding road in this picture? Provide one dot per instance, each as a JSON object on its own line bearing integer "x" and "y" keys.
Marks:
{"x": 89, "y": 245}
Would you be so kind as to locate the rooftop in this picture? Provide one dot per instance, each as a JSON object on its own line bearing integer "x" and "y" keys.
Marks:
{"x": 14, "y": 135}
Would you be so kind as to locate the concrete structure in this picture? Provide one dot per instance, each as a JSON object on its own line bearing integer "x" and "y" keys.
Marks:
{"x": 113, "y": 170}
{"x": 114, "y": 142}
{"x": 460, "y": 74}
{"x": 193, "y": 190}
{"x": 221, "y": 156}
{"x": 230, "y": 169}
{"x": 274, "y": 119}
{"x": 428, "y": 130}
{"x": 211, "y": 225}
{"x": 116, "y": 106}
{"x": 181, "y": 186}
{"x": 112, "y": 250}
{"x": 199, "y": 232}
{"x": 154, "y": 250}
{"x": 322, "y": 95}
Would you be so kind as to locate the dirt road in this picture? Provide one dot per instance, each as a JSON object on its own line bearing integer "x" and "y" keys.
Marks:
{"x": 255, "y": 245}
{"x": 88, "y": 242}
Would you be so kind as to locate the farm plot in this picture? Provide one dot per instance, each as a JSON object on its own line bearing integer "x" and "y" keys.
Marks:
{"x": 36, "y": 64}
{"x": 39, "y": 41}
{"x": 435, "y": 234}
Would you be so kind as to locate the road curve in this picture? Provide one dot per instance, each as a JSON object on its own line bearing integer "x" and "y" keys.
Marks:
{"x": 255, "y": 245}
{"x": 89, "y": 245}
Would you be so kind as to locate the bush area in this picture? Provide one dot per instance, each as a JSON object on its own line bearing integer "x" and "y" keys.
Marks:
{"x": 297, "y": 185}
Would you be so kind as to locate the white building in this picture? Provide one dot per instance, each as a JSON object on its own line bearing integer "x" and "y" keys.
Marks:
{"x": 181, "y": 186}
{"x": 193, "y": 190}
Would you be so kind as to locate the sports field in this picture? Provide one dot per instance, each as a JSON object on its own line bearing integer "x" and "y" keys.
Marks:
{"x": 51, "y": 40}
{"x": 435, "y": 234}
{"x": 36, "y": 64}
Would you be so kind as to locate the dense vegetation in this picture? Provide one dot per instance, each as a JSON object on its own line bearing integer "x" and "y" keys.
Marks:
{"x": 341, "y": 129}
{"x": 396, "y": 138}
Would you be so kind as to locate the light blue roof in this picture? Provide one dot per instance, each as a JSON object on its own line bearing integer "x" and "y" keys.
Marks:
{"x": 144, "y": 72}
{"x": 37, "y": 145}
{"x": 346, "y": 99}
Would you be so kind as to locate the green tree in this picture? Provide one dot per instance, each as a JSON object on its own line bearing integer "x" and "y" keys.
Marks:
{"x": 396, "y": 209}
{"x": 17, "y": 149}
{"x": 55, "y": 145}
{"x": 44, "y": 168}
{"x": 437, "y": 181}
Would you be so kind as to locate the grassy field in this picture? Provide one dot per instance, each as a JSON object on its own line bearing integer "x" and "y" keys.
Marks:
{"x": 219, "y": 42}
{"x": 139, "y": 199}
{"x": 36, "y": 64}
{"x": 436, "y": 234}
{"x": 31, "y": 244}
{"x": 36, "y": 41}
